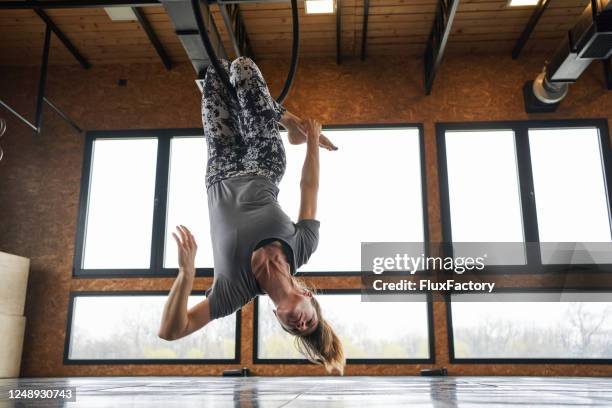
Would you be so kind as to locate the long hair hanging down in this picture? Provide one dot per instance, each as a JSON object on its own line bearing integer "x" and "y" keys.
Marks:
{"x": 322, "y": 346}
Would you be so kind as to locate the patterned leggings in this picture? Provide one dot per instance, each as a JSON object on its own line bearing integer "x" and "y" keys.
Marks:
{"x": 242, "y": 136}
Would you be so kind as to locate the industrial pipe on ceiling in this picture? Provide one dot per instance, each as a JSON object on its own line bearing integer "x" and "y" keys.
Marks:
{"x": 589, "y": 40}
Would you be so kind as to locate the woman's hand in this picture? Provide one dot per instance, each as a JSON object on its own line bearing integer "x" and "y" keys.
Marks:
{"x": 187, "y": 249}
{"x": 312, "y": 129}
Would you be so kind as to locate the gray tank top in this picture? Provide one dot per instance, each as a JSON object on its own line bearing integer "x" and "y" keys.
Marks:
{"x": 244, "y": 213}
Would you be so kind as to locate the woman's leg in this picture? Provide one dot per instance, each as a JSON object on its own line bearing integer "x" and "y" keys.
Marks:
{"x": 263, "y": 153}
{"x": 221, "y": 124}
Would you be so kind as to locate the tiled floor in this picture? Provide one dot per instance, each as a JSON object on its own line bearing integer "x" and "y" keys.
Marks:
{"x": 370, "y": 392}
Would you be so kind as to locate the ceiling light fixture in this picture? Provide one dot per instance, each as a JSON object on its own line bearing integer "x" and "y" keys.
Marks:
{"x": 320, "y": 6}
{"x": 522, "y": 3}
{"x": 120, "y": 13}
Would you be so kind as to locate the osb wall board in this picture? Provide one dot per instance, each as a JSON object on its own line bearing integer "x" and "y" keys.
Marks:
{"x": 40, "y": 176}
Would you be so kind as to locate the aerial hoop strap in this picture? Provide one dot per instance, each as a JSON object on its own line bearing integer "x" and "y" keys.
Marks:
{"x": 2, "y": 130}
{"x": 217, "y": 64}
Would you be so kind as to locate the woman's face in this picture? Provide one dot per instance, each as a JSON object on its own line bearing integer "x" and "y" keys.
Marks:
{"x": 297, "y": 315}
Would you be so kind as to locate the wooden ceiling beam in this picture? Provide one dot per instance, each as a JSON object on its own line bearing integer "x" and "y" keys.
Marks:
{"x": 364, "y": 29}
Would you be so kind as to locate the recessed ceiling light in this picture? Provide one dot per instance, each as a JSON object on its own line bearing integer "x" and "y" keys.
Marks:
{"x": 120, "y": 13}
{"x": 522, "y": 3}
{"x": 319, "y": 6}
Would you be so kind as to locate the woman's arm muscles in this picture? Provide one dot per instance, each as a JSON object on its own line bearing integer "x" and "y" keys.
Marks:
{"x": 177, "y": 321}
{"x": 309, "y": 184}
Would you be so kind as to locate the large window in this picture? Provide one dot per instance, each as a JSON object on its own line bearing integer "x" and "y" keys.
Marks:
{"x": 120, "y": 213}
{"x": 527, "y": 326}
{"x": 187, "y": 203}
{"x": 570, "y": 189}
{"x": 527, "y": 182}
{"x": 370, "y": 331}
{"x": 138, "y": 185}
{"x": 371, "y": 190}
{"x": 545, "y": 185}
{"x": 483, "y": 191}
{"x": 122, "y": 327}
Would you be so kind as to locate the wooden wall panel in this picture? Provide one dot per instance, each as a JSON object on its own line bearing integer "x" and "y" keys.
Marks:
{"x": 40, "y": 176}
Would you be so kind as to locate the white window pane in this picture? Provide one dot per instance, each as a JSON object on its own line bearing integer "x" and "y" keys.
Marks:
{"x": 368, "y": 330}
{"x": 570, "y": 190}
{"x": 120, "y": 210}
{"x": 389, "y": 186}
{"x": 370, "y": 191}
{"x": 516, "y": 329}
{"x": 125, "y": 327}
{"x": 483, "y": 185}
{"x": 187, "y": 202}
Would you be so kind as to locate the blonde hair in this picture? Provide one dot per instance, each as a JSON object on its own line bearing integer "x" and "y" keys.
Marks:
{"x": 322, "y": 346}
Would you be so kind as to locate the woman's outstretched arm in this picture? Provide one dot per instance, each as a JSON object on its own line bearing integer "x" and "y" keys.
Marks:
{"x": 177, "y": 321}
{"x": 309, "y": 184}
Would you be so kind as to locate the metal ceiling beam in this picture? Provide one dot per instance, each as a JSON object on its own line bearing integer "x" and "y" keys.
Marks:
{"x": 18, "y": 115}
{"x": 248, "y": 1}
{"x": 229, "y": 26}
{"x": 61, "y": 4}
{"x": 531, "y": 24}
{"x": 364, "y": 30}
{"x": 241, "y": 32}
{"x": 41, "y": 99}
{"x": 338, "y": 32}
{"x": 62, "y": 115}
{"x": 60, "y": 35}
{"x": 42, "y": 82}
{"x": 183, "y": 17}
{"x": 159, "y": 48}
{"x": 608, "y": 72}
{"x": 436, "y": 44}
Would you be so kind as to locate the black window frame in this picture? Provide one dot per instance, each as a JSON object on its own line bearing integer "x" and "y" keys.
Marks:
{"x": 133, "y": 293}
{"x": 349, "y": 361}
{"x": 156, "y": 268}
{"x": 164, "y": 137}
{"x": 451, "y": 336}
{"x": 526, "y": 186}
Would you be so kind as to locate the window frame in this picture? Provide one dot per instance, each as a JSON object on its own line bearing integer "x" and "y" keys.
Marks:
{"x": 349, "y": 361}
{"x": 134, "y": 293}
{"x": 526, "y": 186}
{"x": 156, "y": 268}
{"x": 451, "y": 337}
{"x": 366, "y": 126}
{"x": 164, "y": 137}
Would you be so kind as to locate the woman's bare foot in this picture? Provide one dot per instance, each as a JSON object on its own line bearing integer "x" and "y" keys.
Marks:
{"x": 297, "y": 135}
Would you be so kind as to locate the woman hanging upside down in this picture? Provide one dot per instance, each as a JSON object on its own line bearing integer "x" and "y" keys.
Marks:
{"x": 256, "y": 247}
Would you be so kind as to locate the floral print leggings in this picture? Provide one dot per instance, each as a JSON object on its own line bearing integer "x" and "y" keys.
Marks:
{"x": 242, "y": 135}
